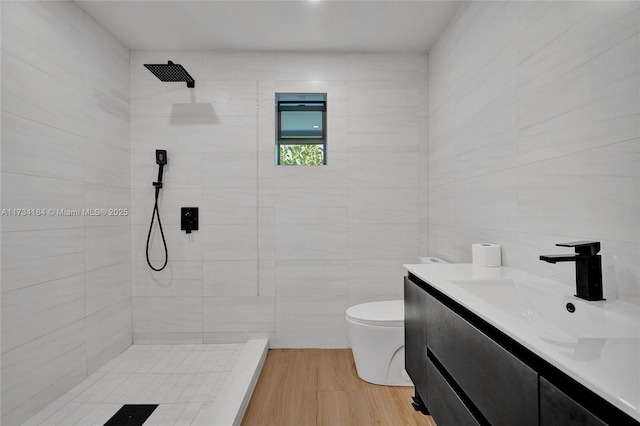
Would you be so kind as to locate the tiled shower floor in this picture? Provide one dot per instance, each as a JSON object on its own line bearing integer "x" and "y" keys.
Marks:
{"x": 184, "y": 380}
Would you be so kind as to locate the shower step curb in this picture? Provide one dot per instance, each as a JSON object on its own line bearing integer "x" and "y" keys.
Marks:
{"x": 229, "y": 406}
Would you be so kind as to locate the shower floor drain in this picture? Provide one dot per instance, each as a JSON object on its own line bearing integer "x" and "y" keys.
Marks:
{"x": 131, "y": 415}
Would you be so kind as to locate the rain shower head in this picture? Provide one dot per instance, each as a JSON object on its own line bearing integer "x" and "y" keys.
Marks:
{"x": 171, "y": 72}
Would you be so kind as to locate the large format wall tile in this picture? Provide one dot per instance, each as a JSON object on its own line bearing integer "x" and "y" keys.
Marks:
{"x": 32, "y": 312}
{"x": 383, "y": 66}
{"x": 221, "y": 206}
{"x": 556, "y": 38}
{"x": 376, "y": 278}
{"x": 317, "y": 321}
{"x": 114, "y": 200}
{"x": 382, "y": 170}
{"x": 174, "y": 133}
{"x": 317, "y": 242}
{"x": 106, "y": 108}
{"x": 270, "y": 233}
{"x": 65, "y": 147}
{"x": 229, "y": 242}
{"x": 311, "y": 278}
{"x": 157, "y": 315}
{"x": 253, "y": 314}
{"x": 230, "y": 278}
{"x": 302, "y": 206}
{"x": 238, "y": 66}
{"x": 230, "y": 98}
{"x": 108, "y": 334}
{"x": 232, "y": 134}
{"x": 229, "y": 170}
{"x": 53, "y": 48}
{"x": 383, "y": 205}
{"x": 34, "y": 257}
{"x": 593, "y": 105}
{"x": 392, "y": 134}
{"x": 310, "y": 67}
{"x": 533, "y": 135}
{"x": 482, "y": 30}
{"x": 36, "y": 373}
{"x": 485, "y": 202}
{"x": 592, "y": 193}
{"x": 383, "y": 98}
{"x": 107, "y": 246}
{"x": 97, "y": 170}
{"x": 30, "y": 92}
{"x": 62, "y": 157}
{"x": 107, "y": 287}
{"x": 383, "y": 241}
{"x": 44, "y": 195}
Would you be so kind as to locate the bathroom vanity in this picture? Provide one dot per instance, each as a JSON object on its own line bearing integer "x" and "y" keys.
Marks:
{"x": 502, "y": 347}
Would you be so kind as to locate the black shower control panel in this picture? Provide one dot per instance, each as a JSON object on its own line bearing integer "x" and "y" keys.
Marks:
{"x": 189, "y": 219}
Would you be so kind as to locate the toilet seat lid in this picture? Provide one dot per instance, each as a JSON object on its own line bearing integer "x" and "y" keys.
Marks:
{"x": 389, "y": 313}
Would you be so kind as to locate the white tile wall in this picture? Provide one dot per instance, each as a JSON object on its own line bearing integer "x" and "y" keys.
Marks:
{"x": 311, "y": 321}
{"x": 230, "y": 278}
{"x": 533, "y": 135}
{"x": 169, "y": 315}
{"x": 280, "y": 251}
{"x": 36, "y": 373}
{"x": 66, "y": 281}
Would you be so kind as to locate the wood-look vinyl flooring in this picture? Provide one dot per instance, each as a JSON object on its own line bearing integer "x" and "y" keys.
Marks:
{"x": 299, "y": 387}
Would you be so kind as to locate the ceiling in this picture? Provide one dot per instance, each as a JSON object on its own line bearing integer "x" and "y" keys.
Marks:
{"x": 272, "y": 25}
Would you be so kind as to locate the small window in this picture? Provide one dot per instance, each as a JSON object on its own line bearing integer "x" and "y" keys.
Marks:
{"x": 301, "y": 129}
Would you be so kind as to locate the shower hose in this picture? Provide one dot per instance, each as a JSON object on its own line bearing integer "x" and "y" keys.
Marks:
{"x": 164, "y": 242}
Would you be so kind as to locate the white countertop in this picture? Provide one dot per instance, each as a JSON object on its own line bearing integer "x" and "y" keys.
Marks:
{"x": 598, "y": 345}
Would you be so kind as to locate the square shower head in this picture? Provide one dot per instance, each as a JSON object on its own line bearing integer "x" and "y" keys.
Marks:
{"x": 171, "y": 72}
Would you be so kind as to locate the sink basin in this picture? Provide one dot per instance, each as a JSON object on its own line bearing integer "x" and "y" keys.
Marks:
{"x": 545, "y": 307}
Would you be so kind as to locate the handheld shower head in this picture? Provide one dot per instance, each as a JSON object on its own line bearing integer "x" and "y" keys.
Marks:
{"x": 161, "y": 161}
{"x": 161, "y": 157}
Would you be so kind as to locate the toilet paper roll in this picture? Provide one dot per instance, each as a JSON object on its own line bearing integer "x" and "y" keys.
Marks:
{"x": 486, "y": 255}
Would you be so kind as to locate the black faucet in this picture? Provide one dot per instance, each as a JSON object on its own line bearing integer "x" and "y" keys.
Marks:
{"x": 588, "y": 267}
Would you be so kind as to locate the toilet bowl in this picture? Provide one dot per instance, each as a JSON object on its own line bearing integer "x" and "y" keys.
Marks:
{"x": 376, "y": 333}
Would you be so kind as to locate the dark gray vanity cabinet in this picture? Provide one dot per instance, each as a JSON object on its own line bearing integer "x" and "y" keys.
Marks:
{"x": 558, "y": 409}
{"x": 415, "y": 335}
{"x": 503, "y": 389}
{"x": 467, "y": 372}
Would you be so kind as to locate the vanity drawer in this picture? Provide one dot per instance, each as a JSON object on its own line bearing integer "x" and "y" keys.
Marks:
{"x": 502, "y": 387}
{"x": 443, "y": 403}
{"x": 558, "y": 409}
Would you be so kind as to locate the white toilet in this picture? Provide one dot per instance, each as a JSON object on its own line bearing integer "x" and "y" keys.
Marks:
{"x": 376, "y": 332}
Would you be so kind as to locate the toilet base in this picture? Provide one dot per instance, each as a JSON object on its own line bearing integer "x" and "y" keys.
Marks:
{"x": 378, "y": 353}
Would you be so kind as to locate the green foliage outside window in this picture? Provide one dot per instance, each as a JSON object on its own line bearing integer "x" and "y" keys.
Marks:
{"x": 302, "y": 155}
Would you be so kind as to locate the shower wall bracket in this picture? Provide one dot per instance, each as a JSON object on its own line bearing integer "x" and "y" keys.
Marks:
{"x": 189, "y": 219}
